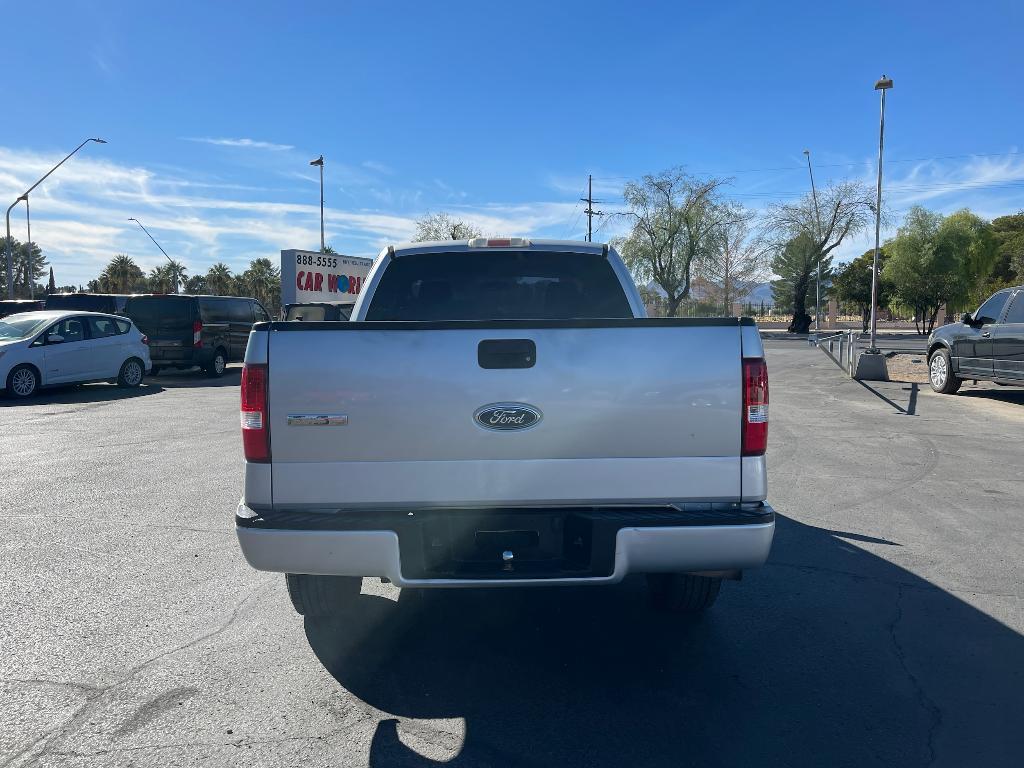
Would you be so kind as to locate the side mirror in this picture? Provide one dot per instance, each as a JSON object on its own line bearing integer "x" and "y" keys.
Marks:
{"x": 966, "y": 318}
{"x": 54, "y": 338}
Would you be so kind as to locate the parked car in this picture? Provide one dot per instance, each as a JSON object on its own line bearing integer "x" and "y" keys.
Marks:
{"x": 186, "y": 331}
{"x": 985, "y": 346}
{"x": 14, "y": 306}
{"x": 42, "y": 349}
{"x": 317, "y": 311}
{"x": 111, "y": 303}
{"x": 500, "y": 412}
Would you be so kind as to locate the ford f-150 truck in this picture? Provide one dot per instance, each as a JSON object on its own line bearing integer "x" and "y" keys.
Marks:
{"x": 502, "y": 412}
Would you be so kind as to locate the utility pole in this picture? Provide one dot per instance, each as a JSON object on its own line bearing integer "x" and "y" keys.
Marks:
{"x": 589, "y": 210}
{"x": 320, "y": 162}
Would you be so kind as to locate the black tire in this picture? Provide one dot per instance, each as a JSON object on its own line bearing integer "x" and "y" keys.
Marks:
{"x": 216, "y": 367}
{"x": 682, "y": 592}
{"x": 22, "y": 381}
{"x": 322, "y": 595}
{"x": 940, "y": 373}
{"x": 131, "y": 373}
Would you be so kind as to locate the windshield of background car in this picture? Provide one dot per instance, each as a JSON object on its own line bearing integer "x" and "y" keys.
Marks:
{"x": 16, "y": 327}
{"x": 499, "y": 285}
{"x": 156, "y": 315}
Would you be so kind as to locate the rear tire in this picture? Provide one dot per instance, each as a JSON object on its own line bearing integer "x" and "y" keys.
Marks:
{"x": 131, "y": 373}
{"x": 322, "y": 595}
{"x": 22, "y": 381}
{"x": 940, "y": 373}
{"x": 216, "y": 367}
{"x": 682, "y": 592}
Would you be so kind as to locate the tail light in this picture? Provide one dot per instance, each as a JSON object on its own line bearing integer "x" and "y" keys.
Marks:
{"x": 197, "y": 334}
{"x": 145, "y": 339}
{"x": 255, "y": 415}
{"x": 755, "y": 406}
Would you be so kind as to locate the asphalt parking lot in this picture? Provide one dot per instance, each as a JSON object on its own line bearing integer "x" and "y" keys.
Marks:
{"x": 885, "y": 630}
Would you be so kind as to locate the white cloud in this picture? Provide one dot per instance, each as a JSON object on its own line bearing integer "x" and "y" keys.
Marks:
{"x": 243, "y": 143}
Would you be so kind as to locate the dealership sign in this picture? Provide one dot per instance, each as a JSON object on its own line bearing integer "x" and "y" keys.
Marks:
{"x": 311, "y": 276}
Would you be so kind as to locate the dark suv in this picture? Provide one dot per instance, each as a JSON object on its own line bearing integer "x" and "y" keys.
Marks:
{"x": 985, "y": 346}
{"x": 186, "y": 331}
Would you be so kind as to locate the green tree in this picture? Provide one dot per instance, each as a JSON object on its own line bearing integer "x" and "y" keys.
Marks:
{"x": 121, "y": 275}
{"x": 1009, "y": 235}
{"x": 973, "y": 241}
{"x": 162, "y": 279}
{"x": 219, "y": 280}
{"x": 851, "y": 284}
{"x": 923, "y": 270}
{"x": 673, "y": 218}
{"x": 441, "y": 226}
{"x": 51, "y": 286}
{"x": 796, "y": 264}
{"x": 21, "y": 254}
{"x": 262, "y": 281}
{"x": 841, "y": 210}
{"x": 196, "y": 284}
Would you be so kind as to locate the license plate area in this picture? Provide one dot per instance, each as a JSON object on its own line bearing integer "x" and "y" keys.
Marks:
{"x": 503, "y": 545}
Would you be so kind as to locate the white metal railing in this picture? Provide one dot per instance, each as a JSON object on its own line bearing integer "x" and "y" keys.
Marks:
{"x": 841, "y": 347}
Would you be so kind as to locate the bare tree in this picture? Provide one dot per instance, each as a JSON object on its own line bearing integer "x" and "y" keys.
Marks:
{"x": 441, "y": 226}
{"x": 843, "y": 208}
{"x": 673, "y": 215}
{"x": 735, "y": 261}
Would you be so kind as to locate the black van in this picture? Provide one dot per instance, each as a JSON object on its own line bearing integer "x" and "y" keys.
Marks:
{"x": 108, "y": 303}
{"x": 14, "y": 306}
{"x": 185, "y": 331}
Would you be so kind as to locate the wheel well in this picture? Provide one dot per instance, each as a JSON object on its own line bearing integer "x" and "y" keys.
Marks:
{"x": 39, "y": 374}
{"x": 221, "y": 348}
{"x": 935, "y": 348}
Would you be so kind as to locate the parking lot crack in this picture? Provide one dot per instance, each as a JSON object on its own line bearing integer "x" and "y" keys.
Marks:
{"x": 42, "y": 746}
{"x": 929, "y": 706}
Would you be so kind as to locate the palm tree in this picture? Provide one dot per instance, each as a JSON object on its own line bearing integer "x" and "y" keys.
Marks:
{"x": 263, "y": 281}
{"x": 121, "y": 275}
{"x": 178, "y": 273}
{"x": 161, "y": 279}
{"x": 219, "y": 280}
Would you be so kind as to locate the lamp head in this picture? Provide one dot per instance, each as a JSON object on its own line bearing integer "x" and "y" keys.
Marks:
{"x": 99, "y": 141}
{"x": 318, "y": 161}
{"x": 884, "y": 83}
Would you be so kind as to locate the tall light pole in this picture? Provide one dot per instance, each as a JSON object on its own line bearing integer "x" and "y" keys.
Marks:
{"x": 884, "y": 83}
{"x": 160, "y": 247}
{"x": 24, "y": 196}
{"x": 28, "y": 225}
{"x": 817, "y": 220}
{"x": 320, "y": 162}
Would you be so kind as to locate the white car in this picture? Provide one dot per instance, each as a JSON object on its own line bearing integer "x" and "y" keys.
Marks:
{"x": 42, "y": 349}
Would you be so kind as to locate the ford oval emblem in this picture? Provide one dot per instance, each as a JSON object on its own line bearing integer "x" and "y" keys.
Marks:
{"x": 505, "y": 417}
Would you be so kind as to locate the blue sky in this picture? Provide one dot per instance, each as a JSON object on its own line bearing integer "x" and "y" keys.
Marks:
{"x": 493, "y": 113}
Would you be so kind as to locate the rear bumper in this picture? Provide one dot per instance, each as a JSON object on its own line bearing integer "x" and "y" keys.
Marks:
{"x": 620, "y": 541}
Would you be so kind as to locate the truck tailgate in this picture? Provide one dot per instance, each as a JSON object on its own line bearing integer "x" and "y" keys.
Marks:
{"x": 637, "y": 411}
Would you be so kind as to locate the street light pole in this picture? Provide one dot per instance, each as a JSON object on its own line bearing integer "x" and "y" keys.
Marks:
{"x": 320, "y": 162}
{"x": 31, "y": 277}
{"x": 817, "y": 219}
{"x": 10, "y": 256}
{"x": 884, "y": 83}
{"x": 158, "y": 246}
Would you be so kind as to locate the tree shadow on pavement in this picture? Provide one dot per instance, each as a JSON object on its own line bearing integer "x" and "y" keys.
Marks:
{"x": 82, "y": 393}
{"x": 829, "y": 655}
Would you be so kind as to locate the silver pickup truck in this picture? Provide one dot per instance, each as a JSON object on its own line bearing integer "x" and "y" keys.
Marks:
{"x": 499, "y": 413}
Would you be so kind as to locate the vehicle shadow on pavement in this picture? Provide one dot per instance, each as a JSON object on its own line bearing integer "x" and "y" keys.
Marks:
{"x": 196, "y": 378}
{"x": 1002, "y": 394}
{"x": 82, "y": 393}
{"x": 829, "y": 655}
